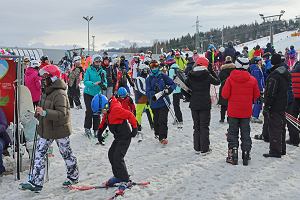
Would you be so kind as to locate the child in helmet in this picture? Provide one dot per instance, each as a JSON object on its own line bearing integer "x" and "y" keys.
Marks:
{"x": 54, "y": 124}
{"x": 156, "y": 83}
{"x": 116, "y": 117}
{"x": 125, "y": 100}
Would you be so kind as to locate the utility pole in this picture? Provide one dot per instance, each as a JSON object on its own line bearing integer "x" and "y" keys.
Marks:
{"x": 272, "y": 19}
{"x": 222, "y": 36}
{"x": 197, "y": 47}
{"x": 93, "y": 42}
{"x": 88, "y": 19}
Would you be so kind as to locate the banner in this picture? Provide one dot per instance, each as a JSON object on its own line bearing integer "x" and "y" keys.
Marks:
{"x": 8, "y": 75}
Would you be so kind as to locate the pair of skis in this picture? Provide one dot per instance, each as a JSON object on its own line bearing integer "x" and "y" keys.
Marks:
{"x": 119, "y": 192}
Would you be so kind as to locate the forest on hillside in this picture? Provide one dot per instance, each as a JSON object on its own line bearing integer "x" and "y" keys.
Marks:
{"x": 236, "y": 34}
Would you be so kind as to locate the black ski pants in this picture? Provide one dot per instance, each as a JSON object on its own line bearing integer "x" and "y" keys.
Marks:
{"x": 265, "y": 130}
{"x": 276, "y": 129}
{"x": 176, "y": 104}
{"x": 201, "y": 120}
{"x": 116, "y": 154}
{"x": 160, "y": 120}
{"x": 294, "y": 110}
{"x": 90, "y": 118}
{"x": 223, "y": 112}
{"x": 236, "y": 125}
{"x": 74, "y": 95}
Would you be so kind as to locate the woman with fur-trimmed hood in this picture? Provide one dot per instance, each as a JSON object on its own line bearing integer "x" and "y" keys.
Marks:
{"x": 223, "y": 75}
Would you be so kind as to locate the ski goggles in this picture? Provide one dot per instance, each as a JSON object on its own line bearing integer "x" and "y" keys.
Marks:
{"x": 154, "y": 64}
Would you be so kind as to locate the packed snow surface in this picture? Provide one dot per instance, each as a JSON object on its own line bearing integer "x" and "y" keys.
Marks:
{"x": 175, "y": 171}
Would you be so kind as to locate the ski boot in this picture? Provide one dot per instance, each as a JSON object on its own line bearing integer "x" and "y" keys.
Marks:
{"x": 30, "y": 186}
{"x": 164, "y": 141}
{"x": 88, "y": 133}
{"x": 204, "y": 153}
{"x": 246, "y": 157}
{"x": 232, "y": 157}
{"x": 112, "y": 181}
{"x": 69, "y": 182}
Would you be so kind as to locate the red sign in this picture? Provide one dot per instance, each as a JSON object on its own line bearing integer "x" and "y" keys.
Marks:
{"x": 7, "y": 92}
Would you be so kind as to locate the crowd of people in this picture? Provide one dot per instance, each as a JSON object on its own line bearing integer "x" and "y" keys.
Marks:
{"x": 250, "y": 82}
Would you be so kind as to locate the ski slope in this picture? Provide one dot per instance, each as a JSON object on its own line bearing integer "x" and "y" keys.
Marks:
{"x": 281, "y": 41}
{"x": 175, "y": 171}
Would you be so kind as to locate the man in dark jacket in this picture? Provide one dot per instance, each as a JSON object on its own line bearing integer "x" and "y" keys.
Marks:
{"x": 199, "y": 81}
{"x": 4, "y": 138}
{"x": 226, "y": 69}
{"x": 230, "y": 51}
{"x": 276, "y": 101}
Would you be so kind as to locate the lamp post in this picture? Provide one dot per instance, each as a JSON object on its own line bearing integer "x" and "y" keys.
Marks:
{"x": 272, "y": 19}
{"x": 88, "y": 19}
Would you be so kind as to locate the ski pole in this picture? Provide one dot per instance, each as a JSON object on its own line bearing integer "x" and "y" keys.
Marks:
{"x": 171, "y": 111}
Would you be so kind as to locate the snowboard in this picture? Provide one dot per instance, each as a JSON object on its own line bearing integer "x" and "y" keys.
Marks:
{"x": 27, "y": 118}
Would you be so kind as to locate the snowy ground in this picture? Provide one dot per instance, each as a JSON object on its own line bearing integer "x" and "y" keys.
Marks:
{"x": 174, "y": 171}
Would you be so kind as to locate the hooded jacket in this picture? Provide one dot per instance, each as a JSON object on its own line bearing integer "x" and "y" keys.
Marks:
{"x": 33, "y": 82}
{"x": 241, "y": 90}
{"x": 199, "y": 81}
{"x": 226, "y": 69}
{"x": 276, "y": 93}
{"x": 91, "y": 76}
{"x": 296, "y": 80}
{"x": 116, "y": 119}
{"x": 57, "y": 123}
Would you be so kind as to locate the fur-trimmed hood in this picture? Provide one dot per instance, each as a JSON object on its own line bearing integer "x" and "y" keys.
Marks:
{"x": 228, "y": 66}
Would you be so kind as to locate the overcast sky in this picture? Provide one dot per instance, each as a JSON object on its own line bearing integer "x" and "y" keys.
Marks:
{"x": 59, "y": 23}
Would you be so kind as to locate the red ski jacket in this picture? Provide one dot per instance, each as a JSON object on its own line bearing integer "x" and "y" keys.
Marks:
{"x": 116, "y": 119}
{"x": 127, "y": 103}
{"x": 241, "y": 90}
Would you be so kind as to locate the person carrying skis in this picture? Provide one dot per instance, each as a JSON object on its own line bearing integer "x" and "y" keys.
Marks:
{"x": 95, "y": 82}
{"x": 199, "y": 81}
{"x": 73, "y": 83}
{"x": 54, "y": 124}
{"x": 141, "y": 97}
{"x": 117, "y": 118}
{"x": 241, "y": 90}
{"x": 159, "y": 83}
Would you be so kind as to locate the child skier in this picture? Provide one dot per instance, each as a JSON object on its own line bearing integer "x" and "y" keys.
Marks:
{"x": 157, "y": 83}
{"x": 54, "y": 124}
{"x": 241, "y": 90}
{"x": 115, "y": 117}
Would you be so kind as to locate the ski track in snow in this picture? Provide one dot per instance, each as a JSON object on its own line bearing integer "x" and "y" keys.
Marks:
{"x": 175, "y": 171}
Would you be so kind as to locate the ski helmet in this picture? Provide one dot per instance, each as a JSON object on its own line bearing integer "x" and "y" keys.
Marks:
{"x": 122, "y": 92}
{"x": 221, "y": 49}
{"x": 44, "y": 58}
{"x": 34, "y": 64}
{"x": 96, "y": 58}
{"x": 76, "y": 59}
{"x": 98, "y": 103}
{"x": 292, "y": 47}
{"x": 242, "y": 63}
{"x": 153, "y": 64}
{"x": 50, "y": 71}
{"x": 202, "y": 61}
